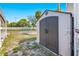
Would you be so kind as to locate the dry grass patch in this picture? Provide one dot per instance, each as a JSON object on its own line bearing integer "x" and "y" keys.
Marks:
{"x": 12, "y": 41}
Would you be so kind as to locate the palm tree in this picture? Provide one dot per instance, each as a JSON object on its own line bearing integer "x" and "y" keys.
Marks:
{"x": 59, "y": 8}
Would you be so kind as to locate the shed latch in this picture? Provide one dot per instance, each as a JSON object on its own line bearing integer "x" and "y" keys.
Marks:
{"x": 46, "y": 30}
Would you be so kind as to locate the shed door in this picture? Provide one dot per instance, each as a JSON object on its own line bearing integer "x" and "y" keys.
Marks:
{"x": 49, "y": 33}
{"x": 43, "y": 34}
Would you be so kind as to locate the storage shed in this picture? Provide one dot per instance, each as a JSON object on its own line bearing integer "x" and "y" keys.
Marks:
{"x": 55, "y": 32}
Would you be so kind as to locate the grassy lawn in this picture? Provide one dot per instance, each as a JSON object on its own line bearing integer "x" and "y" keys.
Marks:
{"x": 13, "y": 39}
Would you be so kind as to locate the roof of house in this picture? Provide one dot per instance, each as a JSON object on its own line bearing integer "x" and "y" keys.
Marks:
{"x": 2, "y": 17}
{"x": 55, "y": 11}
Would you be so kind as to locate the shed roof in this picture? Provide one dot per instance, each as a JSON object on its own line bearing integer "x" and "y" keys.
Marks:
{"x": 54, "y": 11}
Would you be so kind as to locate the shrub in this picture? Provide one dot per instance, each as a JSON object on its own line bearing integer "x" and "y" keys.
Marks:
{"x": 6, "y": 54}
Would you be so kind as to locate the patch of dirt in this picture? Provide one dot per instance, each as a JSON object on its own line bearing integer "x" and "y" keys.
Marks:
{"x": 31, "y": 48}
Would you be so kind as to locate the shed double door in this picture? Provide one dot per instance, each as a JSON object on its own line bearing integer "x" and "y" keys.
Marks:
{"x": 49, "y": 33}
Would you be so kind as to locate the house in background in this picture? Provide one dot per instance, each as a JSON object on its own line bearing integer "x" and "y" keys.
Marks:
{"x": 3, "y": 29}
{"x": 76, "y": 27}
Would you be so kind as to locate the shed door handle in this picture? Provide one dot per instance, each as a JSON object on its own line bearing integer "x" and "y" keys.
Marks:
{"x": 46, "y": 30}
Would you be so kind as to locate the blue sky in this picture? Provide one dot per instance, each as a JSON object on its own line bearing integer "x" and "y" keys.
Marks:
{"x": 15, "y": 11}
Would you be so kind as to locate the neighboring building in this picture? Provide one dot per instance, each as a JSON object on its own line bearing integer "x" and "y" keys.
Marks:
{"x": 74, "y": 8}
{"x": 3, "y": 29}
{"x": 55, "y": 31}
{"x": 76, "y": 27}
{"x": 69, "y": 7}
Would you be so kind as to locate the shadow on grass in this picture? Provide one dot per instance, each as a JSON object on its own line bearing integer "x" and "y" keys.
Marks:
{"x": 28, "y": 39}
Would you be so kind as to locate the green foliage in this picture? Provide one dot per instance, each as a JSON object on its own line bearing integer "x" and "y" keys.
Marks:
{"x": 6, "y": 54}
{"x": 8, "y": 24}
{"x": 35, "y": 46}
{"x": 32, "y": 20}
{"x": 20, "y": 23}
{"x": 16, "y": 49}
{"x": 38, "y": 14}
{"x": 23, "y": 22}
{"x": 3, "y": 51}
{"x": 12, "y": 24}
{"x": 28, "y": 39}
{"x": 31, "y": 38}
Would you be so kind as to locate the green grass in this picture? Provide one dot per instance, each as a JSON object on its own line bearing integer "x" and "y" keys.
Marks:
{"x": 6, "y": 54}
{"x": 2, "y": 51}
{"x": 35, "y": 46}
{"x": 5, "y": 45}
{"x": 31, "y": 38}
{"x": 16, "y": 49}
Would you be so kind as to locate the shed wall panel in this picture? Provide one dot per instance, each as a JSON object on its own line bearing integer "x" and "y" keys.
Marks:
{"x": 64, "y": 31}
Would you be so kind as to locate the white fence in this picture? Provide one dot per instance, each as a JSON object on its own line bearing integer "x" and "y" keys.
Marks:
{"x": 21, "y": 28}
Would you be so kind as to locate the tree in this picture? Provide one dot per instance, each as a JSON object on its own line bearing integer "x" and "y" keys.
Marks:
{"x": 38, "y": 15}
{"x": 22, "y": 22}
{"x": 59, "y": 8}
{"x": 7, "y": 22}
{"x": 32, "y": 20}
{"x": 12, "y": 24}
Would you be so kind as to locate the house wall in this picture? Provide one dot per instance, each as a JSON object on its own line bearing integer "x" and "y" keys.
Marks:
{"x": 76, "y": 26}
{"x": 64, "y": 32}
{"x": 3, "y": 30}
